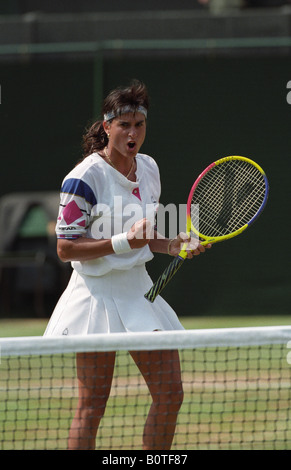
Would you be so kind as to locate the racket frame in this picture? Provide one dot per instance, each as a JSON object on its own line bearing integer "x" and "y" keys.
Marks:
{"x": 173, "y": 267}
{"x": 189, "y": 226}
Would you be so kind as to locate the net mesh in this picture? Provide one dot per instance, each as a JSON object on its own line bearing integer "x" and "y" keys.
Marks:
{"x": 236, "y": 384}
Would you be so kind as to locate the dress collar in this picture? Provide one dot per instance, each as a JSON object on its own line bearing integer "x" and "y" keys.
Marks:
{"x": 119, "y": 176}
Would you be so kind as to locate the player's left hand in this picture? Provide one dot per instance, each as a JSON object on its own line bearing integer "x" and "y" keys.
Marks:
{"x": 193, "y": 247}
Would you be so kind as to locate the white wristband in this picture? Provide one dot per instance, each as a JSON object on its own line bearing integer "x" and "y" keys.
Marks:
{"x": 120, "y": 243}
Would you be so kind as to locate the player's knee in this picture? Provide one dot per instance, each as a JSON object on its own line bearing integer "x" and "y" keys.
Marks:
{"x": 92, "y": 415}
{"x": 172, "y": 398}
{"x": 93, "y": 409}
{"x": 176, "y": 397}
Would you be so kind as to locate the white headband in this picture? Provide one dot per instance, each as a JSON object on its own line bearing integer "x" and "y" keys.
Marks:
{"x": 124, "y": 110}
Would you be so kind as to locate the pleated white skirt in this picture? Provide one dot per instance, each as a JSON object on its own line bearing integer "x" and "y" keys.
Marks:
{"x": 112, "y": 303}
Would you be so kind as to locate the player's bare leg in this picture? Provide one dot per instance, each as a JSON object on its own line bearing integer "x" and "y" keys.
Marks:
{"x": 161, "y": 371}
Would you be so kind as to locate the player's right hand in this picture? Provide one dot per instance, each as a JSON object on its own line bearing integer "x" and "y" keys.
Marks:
{"x": 139, "y": 234}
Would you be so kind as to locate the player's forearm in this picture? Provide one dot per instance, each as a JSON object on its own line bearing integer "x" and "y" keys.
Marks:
{"x": 83, "y": 249}
{"x": 159, "y": 244}
{"x": 86, "y": 249}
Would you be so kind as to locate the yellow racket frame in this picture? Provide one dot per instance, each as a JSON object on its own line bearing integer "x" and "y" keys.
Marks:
{"x": 177, "y": 262}
{"x": 189, "y": 226}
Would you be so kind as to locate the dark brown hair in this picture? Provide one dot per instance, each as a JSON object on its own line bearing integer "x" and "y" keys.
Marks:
{"x": 134, "y": 95}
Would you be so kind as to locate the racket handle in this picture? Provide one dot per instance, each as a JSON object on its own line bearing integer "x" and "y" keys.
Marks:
{"x": 164, "y": 278}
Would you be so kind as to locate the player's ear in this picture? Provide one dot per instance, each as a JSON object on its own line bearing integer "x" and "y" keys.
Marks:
{"x": 106, "y": 126}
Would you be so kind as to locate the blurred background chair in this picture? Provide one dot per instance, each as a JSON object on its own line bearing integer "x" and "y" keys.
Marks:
{"x": 31, "y": 276}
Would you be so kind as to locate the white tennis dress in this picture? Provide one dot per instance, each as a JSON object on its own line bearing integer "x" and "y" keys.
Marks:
{"x": 106, "y": 295}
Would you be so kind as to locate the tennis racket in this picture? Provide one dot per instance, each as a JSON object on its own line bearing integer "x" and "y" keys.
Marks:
{"x": 226, "y": 198}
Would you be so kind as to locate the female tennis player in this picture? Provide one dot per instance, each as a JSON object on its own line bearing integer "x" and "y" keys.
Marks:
{"x": 106, "y": 291}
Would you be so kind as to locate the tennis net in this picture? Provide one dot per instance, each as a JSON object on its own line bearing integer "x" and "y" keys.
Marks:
{"x": 236, "y": 389}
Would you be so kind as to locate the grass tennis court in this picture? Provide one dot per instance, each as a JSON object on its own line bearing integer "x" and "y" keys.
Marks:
{"x": 238, "y": 407}
{"x": 36, "y": 327}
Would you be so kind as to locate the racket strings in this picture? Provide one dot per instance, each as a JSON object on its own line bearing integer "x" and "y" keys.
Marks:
{"x": 228, "y": 197}
{"x": 225, "y": 215}
{"x": 227, "y": 220}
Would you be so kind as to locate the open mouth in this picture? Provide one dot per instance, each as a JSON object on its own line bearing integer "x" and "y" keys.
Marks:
{"x": 131, "y": 145}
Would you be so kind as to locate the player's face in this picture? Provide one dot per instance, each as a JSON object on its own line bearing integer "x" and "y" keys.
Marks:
{"x": 127, "y": 134}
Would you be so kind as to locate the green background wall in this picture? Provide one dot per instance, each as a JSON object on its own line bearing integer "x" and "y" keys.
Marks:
{"x": 201, "y": 109}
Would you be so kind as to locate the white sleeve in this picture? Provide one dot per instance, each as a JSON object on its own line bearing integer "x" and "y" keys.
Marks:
{"x": 76, "y": 202}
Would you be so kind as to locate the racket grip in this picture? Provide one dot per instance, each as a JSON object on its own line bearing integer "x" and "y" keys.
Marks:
{"x": 164, "y": 278}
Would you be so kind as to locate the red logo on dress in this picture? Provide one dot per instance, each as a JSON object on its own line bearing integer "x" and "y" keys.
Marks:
{"x": 135, "y": 192}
